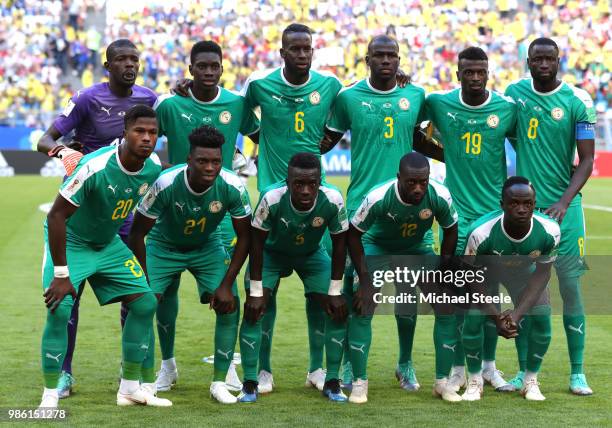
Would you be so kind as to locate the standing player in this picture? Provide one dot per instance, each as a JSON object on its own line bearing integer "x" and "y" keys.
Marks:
{"x": 533, "y": 240}
{"x": 289, "y": 222}
{"x": 474, "y": 123}
{"x": 381, "y": 117}
{"x": 554, "y": 120}
{"x": 96, "y": 115}
{"x": 81, "y": 243}
{"x": 182, "y": 211}
{"x": 207, "y": 104}
{"x": 395, "y": 218}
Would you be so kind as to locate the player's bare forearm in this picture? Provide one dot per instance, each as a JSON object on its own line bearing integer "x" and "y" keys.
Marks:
{"x": 136, "y": 240}
{"x": 242, "y": 228}
{"x": 56, "y": 229}
{"x": 329, "y": 140}
{"x": 536, "y": 285}
{"x": 338, "y": 255}
{"x": 426, "y": 145}
{"x": 586, "y": 158}
{"x": 449, "y": 241}
{"x": 356, "y": 252}
{"x": 48, "y": 141}
{"x": 258, "y": 239}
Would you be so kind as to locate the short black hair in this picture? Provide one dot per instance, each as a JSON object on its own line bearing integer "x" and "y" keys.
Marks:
{"x": 205, "y": 46}
{"x": 542, "y": 41}
{"x": 296, "y": 28}
{"x": 382, "y": 38}
{"x": 516, "y": 179}
{"x": 305, "y": 160}
{"x": 136, "y": 112}
{"x": 206, "y": 136}
{"x": 413, "y": 160}
{"x": 111, "y": 49}
{"x": 473, "y": 53}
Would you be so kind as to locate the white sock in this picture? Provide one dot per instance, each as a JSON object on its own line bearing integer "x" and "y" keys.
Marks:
{"x": 488, "y": 365}
{"x": 477, "y": 375}
{"x": 128, "y": 386}
{"x": 459, "y": 370}
{"x": 51, "y": 391}
{"x": 530, "y": 375}
{"x": 169, "y": 364}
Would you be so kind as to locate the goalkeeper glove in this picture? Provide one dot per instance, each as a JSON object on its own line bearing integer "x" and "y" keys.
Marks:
{"x": 70, "y": 158}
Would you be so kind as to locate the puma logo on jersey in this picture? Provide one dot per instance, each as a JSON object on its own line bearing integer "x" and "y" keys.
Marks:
{"x": 277, "y": 98}
{"x": 285, "y": 222}
{"x": 473, "y": 357}
{"x": 392, "y": 216}
{"x": 368, "y": 105}
{"x": 180, "y": 206}
{"x": 106, "y": 109}
{"x": 452, "y": 115}
{"x": 452, "y": 348}
{"x": 339, "y": 342}
{"x": 251, "y": 345}
{"x": 523, "y": 102}
{"x": 576, "y": 329}
{"x": 188, "y": 117}
{"x": 498, "y": 253}
{"x": 225, "y": 354}
{"x": 53, "y": 357}
{"x": 113, "y": 188}
{"x": 358, "y": 348}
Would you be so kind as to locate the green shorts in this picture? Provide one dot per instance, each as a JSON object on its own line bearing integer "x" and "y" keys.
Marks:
{"x": 207, "y": 264}
{"x": 572, "y": 247}
{"x": 463, "y": 226}
{"x": 227, "y": 234}
{"x": 112, "y": 271}
{"x": 314, "y": 270}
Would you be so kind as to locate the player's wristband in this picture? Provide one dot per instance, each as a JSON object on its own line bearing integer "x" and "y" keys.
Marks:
{"x": 55, "y": 150}
{"x": 256, "y": 288}
{"x": 335, "y": 287}
{"x": 60, "y": 271}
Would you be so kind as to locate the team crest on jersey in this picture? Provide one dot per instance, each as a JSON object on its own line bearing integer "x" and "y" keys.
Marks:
{"x": 143, "y": 189}
{"x": 317, "y": 222}
{"x": 225, "y": 117}
{"x": 315, "y": 98}
{"x": 535, "y": 254}
{"x": 557, "y": 113}
{"x": 493, "y": 121}
{"x": 215, "y": 206}
{"x": 424, "y": 214}
{"x": 404, "y": 104}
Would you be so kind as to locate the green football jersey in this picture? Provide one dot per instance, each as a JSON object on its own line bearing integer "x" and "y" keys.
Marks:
{"x": 106, "y": 193}
{"x": 298, "y": 233}
{"x": 187, "y": 219}
{"x": 292, "y": 118}
{"x": 391, "y": 223}
{"x": 487, "y": 237}
{"x": 546, "y": 135}
{"x": 177, "y": 116}
{"x": 474, "y": 147}
{"x": 382, "y": 125}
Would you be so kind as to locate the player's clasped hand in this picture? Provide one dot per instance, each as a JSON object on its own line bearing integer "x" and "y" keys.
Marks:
{"x": 336, "y": 308}
{"x": 254, "y": 308}
{"x": 223, "y": 301}
{"x": 60, "y": 288}
{"x": 507, "y": 327}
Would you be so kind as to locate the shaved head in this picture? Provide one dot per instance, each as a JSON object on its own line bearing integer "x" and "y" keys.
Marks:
{"x": 383, "y": 40}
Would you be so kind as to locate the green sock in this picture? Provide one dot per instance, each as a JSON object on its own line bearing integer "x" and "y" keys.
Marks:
{"x": 459, "y": 353}
{"x": 250, "y": 344}
{"x": 522, "y": 341}
{"x": 167, "y": 311}
{"x": 55, "y": 342}
{"x": 489, "y": 344}
{"x": 136, "y": 334}
{"x": 406, "y": 325}
{"x": 148, "y": 364}
{"x": 540, "y": 332}
{"x": 316, "y": 333}
{"x": 473, "y": 337}
{"x": 335, "y": 340}
{"x": 360, "y": 338}
{"x": 267, "y": 331}
{"x": 575, "y": 332}
{"x": 445, "y": 343}
{"x": 226, "y": 330}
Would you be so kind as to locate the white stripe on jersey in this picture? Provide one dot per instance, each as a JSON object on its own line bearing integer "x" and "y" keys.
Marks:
{"x": 161, "y": 99}
{"x": 164, "y": 181}
{"x": 257, "y": 75}
{"x": 335, "y": 197}
{"x": 582, "y": 95}
{"x": 479, "y": 235}
{"x": 87, "y": 170}
{"x": 368, "y": 202}
{"x": 442, "y": 191}
{"x": 271, "y": 197}
{"x": 232, "y": 179}
{"x": 550, "y": 226}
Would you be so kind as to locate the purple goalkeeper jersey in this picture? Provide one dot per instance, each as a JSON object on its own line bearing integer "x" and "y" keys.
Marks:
{"x": 96, "y": 114}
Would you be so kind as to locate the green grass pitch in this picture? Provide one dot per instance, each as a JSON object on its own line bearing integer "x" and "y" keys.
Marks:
{"x": 96, "y": 362}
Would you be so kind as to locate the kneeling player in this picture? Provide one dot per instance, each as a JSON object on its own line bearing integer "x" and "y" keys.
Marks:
{"x": 182, "y": 210}
{"x": 81, "y": 234}
{"x": 395, "y": 218}
{"x": 288, "y": 223}
{"x": 515, "y": 231}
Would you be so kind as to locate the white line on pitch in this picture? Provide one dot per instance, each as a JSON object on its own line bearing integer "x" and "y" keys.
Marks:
{"x": 598, "y": 207}
{"x": 600, "y": 238}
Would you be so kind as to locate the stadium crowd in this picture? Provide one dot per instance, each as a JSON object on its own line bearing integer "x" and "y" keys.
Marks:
{"x": 41, "y": 42}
